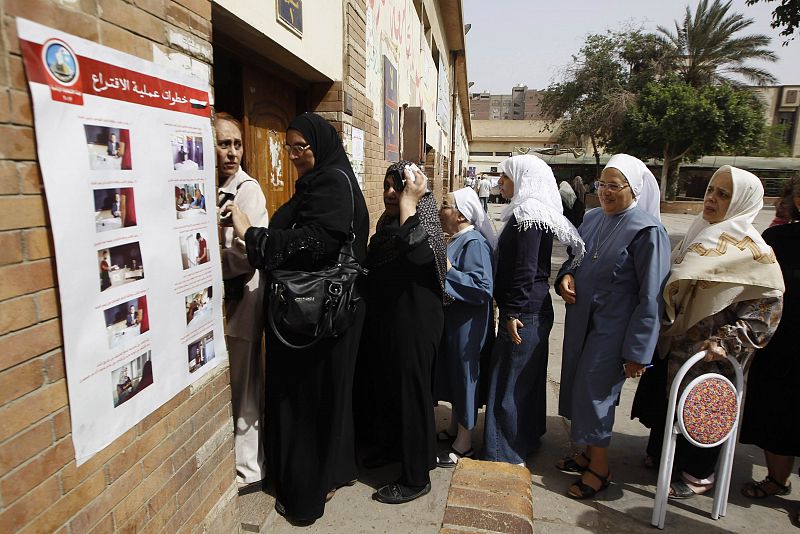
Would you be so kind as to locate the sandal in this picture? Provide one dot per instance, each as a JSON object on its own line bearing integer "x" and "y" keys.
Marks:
{"x": 586, "y": 491}
{"x": 568, "y": 465}
{"x": 680, "y": 489}
{"x": 332, "y": 492}
{"x": 758, "y": 490}
{"x": 649, "y": 462}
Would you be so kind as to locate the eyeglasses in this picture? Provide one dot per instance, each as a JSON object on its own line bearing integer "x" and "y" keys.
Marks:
{"x": 614, "y": 188}
{"x": 296, "y": 150}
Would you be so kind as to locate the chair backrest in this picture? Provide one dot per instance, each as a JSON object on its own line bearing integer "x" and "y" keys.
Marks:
{"x": 707, "y": 410}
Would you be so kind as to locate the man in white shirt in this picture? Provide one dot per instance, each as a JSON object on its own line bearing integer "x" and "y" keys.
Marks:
{"x": 484, "y": 189}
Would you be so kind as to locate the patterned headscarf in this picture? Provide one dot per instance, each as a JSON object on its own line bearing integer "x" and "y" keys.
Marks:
{"x": 428, "y": 213}
{"x": 536, "y": 202}
{"x": 718, "y": 264}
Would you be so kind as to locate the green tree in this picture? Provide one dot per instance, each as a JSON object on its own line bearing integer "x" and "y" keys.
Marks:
{"x": 594, "y": 95}
{"x": 787, "y": 14}
{"x": 709, "y": 47}
{"x": 675, "y": 121}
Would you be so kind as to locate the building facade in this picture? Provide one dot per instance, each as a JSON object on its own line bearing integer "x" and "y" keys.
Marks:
{"x": 390, "y": 75}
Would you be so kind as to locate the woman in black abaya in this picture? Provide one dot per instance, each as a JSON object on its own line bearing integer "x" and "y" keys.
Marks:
{"x": 309, "y": 418}
{"x": 407, "y": 260}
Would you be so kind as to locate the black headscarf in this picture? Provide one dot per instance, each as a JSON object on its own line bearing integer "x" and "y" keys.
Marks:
{"x": 325, "y": 144}
{"x": 428, "y": 213}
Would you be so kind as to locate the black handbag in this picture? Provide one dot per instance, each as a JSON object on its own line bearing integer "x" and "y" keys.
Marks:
{"x": 317, "y": 304}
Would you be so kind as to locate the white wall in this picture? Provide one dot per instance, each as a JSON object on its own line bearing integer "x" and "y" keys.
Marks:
{"x": 321, "y": 45}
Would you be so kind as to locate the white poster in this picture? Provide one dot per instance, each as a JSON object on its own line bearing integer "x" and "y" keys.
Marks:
{"x": 127, "y": 158}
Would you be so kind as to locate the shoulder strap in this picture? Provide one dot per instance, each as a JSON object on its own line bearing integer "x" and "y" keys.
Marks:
{"x": 230, "y": 196}
{"x": 352, "y": 200}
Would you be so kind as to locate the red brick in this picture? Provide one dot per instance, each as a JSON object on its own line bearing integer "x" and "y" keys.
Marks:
{"x": 10, "y": 250}
{"x": 16, "y": 142}
{"x": 170, "y": 489}
{"x": 174, "y": 440}
{"x": 26, "y": 344}
{"x": 201, "y": 7}
{"x": 93, "y": 512}
{"x": 69, "y": 505}
{"x": 51, "y": 14}
{"x": 20, "y": 107}
{"x": 124, "y": 41}
{"x": 37, "y": 244}
{"x": 500, "y": 485}
{"x": 105, "y": 525}
{"x": 23, "y": 278}
{"x": 154, "y": 7}
{"x": 487, "y": 500}
{"x": 17, "y": 313}
{"x": 123, "y": 461}
{"x": 71, "y": 475}
{"x": 13, "y": 518}
{"x": 137, "y": 498}
{"x": 134, "y": 523}
{"x": 5, "y": 106}
{"x": 61, "y": 424}
{"x": 16, "y": 73}
{"x": 9, "y": 179}
{"x": 19, "y": 380}
{"x": 22, "y": 211}
{"x": 133, "y": 19}
{"x": 54, "y": 367}
{"x": 46, "y": 304}
{"x": 31, "y": 178}
{"x": 160, "y": 518}
{"x": 24, "y": 446}
{"x": 197, "y": 479}
{"x": 19, "y": 482}
{"x": 164, "y": 410}
{"x": 218, "y": 482}
{"x": 35, "y": 406}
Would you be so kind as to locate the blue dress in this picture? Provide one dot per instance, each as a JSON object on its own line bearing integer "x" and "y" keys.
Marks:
{"x": 466, "y": 323}
{"x": 616, "y": 317}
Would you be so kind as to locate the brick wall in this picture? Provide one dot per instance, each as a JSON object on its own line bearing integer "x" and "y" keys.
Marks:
{"x": 175, "y": 469}
{"x": 332, "y": 108}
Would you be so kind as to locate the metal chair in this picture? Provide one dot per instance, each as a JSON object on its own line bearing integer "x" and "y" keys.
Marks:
{"x": 708, "y": 411}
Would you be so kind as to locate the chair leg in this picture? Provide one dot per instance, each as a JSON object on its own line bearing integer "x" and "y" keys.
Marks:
{"x": 664, "y": 476}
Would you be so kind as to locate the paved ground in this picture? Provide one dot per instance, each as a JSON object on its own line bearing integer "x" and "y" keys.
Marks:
{"x": 626, "y": 507}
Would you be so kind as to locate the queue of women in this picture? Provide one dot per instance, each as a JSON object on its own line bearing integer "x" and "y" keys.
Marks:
{"x": 433, "y": 275}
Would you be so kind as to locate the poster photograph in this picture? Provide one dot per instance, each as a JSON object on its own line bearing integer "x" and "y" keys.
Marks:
{"x": 124, "y": 148}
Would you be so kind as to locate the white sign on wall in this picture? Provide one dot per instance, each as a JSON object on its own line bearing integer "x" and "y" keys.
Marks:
{"x": 127, "y": 159}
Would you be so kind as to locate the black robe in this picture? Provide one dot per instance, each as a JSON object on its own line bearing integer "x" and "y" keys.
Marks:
{"x": 309, "y": 414}
{"x": 771, "y": 418}
{"x": 403, "y": 329}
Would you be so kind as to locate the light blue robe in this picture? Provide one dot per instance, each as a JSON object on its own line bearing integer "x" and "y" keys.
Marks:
{"x": 466, "y": 323}
{"x": 616, "y": 317}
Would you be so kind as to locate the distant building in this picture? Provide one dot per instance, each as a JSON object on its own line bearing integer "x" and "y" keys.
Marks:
{"x": 782, "y": 107}
{"x": 521, "y": 104}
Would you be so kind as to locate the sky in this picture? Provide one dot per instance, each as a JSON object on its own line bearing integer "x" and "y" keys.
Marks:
{"x": 529, "y": 42}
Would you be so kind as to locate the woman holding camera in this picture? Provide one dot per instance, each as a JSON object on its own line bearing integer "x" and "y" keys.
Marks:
{"x": 407, "y": 262}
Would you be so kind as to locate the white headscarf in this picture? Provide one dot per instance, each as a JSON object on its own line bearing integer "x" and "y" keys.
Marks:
{"x": 730, "y": 257}
{"x": 536, "y": 202}
{"x": 469, "y": 205}
{"x": 568, "y": 196}
{"x": 643, "y": 184}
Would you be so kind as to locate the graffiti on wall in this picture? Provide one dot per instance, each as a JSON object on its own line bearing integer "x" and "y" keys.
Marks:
{"x": 394, "y": 30}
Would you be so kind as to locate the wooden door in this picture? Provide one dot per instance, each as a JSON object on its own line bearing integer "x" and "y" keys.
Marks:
{"x": 269, "y": 105}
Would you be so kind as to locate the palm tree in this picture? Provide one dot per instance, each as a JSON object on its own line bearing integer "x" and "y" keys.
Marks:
{"x": 708, "y": 48}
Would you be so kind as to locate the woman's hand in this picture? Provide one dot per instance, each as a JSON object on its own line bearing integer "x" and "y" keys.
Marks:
{"x": 633, "y": 369}
{"x": 714, "y": 351}
{"x": 567, "y": 288}
{"x": 512, "y": 326}
{"x": 449, "y": 265}
{"x": 241, "y": 222}
{"x": 415, "y": 188}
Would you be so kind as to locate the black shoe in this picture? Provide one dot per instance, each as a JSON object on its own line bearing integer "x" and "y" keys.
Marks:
{"x": 292, "y": 520}
{"x": 450, "y": 458}
{"x": 396, "y": 493}
{"x": 251, "y": 487}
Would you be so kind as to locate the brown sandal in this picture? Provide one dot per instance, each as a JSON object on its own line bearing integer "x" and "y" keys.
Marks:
{"x": 586, "y": 491}
{"x": 758, "y": 490}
